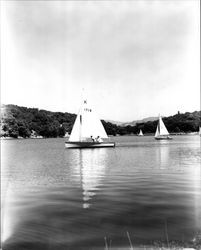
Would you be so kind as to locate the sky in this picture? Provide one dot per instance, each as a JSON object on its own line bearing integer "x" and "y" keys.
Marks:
{"x": 134, "y": 59}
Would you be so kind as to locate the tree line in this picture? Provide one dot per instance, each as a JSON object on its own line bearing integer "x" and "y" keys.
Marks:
{"x": 178, "y": 123}
{"x": 25, "y": 122}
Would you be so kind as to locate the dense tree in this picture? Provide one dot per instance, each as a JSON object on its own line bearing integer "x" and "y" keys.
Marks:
{"x": 21, "y": 121}
{"x": 13, "y": 131}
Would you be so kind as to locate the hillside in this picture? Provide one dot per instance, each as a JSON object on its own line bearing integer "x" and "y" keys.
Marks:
{"x": 25, "y": 122}
{"x": 22, "y": 121}
{"x": 133, "y": 123}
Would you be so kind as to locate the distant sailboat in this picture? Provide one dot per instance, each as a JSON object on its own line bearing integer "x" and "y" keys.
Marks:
{"x": 161, "y": 131}
{"x": 88, "y": 131}
{"x": 200, "y": 131}
{"x": 140, "y": 134}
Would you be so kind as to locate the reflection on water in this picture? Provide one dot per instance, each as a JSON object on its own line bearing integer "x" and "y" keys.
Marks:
{"x": 92, "y": 164}
{"x": 89, "y": 170}
{"x": 163, "y": 155}
{"x": 71, "y": 199}
{"x": 196, "y": 178}
{"x": 8, "y": 220}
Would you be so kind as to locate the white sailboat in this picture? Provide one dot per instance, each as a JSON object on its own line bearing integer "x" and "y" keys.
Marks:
{"x": 88, "y": 131}
{"x": 140, "y": 134}
{"x": 161, "y": 131}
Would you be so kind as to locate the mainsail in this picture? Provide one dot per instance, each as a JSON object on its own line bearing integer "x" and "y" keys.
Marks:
{"x": 161, "y": 129}
{"x": 141, "y": 134}
{"x": 157, "y": 132}
{"x": 87, "y": 125}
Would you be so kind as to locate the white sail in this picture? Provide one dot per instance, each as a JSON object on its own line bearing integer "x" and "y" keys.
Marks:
{"x": 75, "y": 133}
{"x": 157, "y": 132}
{"x": 87, "y": 125}
{"x": 141, "y": 134}
{"x": 162, "y": 128}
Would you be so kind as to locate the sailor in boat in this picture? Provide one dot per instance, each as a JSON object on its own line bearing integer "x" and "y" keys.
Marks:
{"x": 98, "y": 139}
{"x": 93, "y": 139}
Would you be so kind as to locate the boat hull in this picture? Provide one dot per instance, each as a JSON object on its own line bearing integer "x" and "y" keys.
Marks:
{"x": 89, "y": 144}
{"x": 163, "y": 138}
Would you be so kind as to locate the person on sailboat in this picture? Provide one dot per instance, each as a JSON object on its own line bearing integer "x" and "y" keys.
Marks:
{"x": 98, "y": 139}
{"x": 93, "y": 139}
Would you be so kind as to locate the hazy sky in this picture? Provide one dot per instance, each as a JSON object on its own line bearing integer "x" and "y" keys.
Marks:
{"x": 133, "y": 58}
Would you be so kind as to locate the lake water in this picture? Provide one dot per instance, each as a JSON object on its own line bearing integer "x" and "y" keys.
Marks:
{"x": 144, "y": 190}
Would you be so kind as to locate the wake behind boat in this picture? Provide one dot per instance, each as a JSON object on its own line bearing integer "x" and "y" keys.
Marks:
{"x": 161, "y": 131}
{"x": 88, "y": 131}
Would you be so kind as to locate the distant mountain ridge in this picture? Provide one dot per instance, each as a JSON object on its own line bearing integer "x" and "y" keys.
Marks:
{"x": 133, "y": 123}
{"x": 148, "y": 119}
{"x": 115, "y": 122}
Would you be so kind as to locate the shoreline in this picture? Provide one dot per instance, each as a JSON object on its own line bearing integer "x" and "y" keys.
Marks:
{"x": 145, "y": 135}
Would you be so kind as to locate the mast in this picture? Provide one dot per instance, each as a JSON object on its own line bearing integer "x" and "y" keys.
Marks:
{"x": 84, "y": 102}
{"x": 159, "y": 124}
{"x": 80, "y": 131}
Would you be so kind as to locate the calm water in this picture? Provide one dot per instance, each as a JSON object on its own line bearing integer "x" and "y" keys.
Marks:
{"x": 56, "y": 198}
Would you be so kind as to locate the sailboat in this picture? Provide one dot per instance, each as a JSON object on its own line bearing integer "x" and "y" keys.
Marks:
{"x": 161, "y": 131}
{"x": 140, "y": 134}
{"x": 88, "y": 131}
{"x": 200, "y": 131}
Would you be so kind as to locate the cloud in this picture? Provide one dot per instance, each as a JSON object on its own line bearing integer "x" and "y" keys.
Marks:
{"x": 118, "y": 47}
